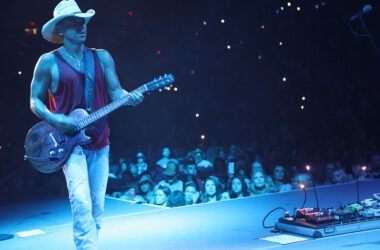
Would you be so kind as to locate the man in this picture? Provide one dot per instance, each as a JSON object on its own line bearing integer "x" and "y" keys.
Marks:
{"x": 165, "y": 158}
{"x": 205, "y": 167}
{"x": 172, "y": 180}
{"x": 142, "y": 166}
{"x": 61, "y": 74}
{"x": 191, "y": 175}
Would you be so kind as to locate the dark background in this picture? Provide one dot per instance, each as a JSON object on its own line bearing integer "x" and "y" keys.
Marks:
{"x": 240, "y": 97}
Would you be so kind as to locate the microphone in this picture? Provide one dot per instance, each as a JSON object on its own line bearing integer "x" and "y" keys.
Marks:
{"x": 367, "y": 8}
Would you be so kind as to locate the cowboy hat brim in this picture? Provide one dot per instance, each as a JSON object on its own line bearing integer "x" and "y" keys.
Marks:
{"x": 49, "y": 31}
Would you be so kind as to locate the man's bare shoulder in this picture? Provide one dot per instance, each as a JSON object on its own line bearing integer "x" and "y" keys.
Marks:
{"x": 104, "y": 56}
{"x": 46, "y": 60}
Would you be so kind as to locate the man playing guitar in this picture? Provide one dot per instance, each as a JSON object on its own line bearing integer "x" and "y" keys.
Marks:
{"x": 61, "y": 75}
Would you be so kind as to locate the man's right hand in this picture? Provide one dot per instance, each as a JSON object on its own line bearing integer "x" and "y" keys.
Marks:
{"x": 64, "y": 123}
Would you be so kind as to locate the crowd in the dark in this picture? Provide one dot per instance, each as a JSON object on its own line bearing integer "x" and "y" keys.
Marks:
{"x": 223, "y": 173}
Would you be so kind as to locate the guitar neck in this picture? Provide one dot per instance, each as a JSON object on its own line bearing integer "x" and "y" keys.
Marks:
{"x": 87, "y": 121}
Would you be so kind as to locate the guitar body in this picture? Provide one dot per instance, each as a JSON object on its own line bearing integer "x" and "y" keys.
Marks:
{"x": 47, "y": 149}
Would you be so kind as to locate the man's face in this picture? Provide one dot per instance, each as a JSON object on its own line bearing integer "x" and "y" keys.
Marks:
{"x": 73, "y": 29}
{"x": 191, "y": 170}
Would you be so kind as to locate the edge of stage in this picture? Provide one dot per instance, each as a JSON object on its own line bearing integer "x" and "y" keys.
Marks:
{"x": 232, "y": 224}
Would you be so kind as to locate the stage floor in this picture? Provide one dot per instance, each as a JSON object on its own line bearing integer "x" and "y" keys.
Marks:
{"x": 234, "y": 224}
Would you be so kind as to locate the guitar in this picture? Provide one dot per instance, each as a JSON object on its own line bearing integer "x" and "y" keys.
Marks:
{"x": 47, "y": 149}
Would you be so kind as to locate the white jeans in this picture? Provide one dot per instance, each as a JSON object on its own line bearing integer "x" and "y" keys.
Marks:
{"x": 86, "y": 175}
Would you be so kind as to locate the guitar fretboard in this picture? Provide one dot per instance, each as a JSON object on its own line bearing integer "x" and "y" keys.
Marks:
{"x": 87, "y": 121}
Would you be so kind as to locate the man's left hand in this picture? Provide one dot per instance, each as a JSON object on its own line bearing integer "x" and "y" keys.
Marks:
{"x": 135, "y": 98}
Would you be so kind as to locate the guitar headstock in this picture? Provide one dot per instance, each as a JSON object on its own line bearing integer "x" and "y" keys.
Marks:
{"x": 160, "y": 82}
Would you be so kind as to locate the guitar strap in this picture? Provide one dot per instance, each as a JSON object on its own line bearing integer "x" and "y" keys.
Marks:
{"x": 89, "y": 78}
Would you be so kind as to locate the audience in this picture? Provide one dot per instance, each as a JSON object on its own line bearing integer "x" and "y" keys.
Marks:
{"x": 191, "y": 178}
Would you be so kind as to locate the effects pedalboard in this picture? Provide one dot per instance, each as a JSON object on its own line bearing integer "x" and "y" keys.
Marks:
{"x": 319, "y": 223}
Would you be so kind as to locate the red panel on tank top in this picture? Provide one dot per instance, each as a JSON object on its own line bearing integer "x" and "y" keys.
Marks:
{"x": 70, "y": 96}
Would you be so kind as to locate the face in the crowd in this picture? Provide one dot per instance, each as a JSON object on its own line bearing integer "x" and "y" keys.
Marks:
{"x": 375, "y": 162}
{"x": 279, "y": 173}
{"x": 338, "y": 177}
{"x": 133, "y": 169}
{"x": 191, "y": 169}
{"x": 237, "y": 186}
{"x": 259, "y": 180}
{"x": 190, "y": 191}
{"x": 330, "y": 168}
{"x": 166, "y": 152}
{"x": 145, "y": 187}
{"x": 124, "y": 167}
{"x": 198, "y": 157}
{"x": 257, "y": 167}
{"x": 160, "y": 197}
{"x": 210, "y": 188}
{"x": 140, "y": 159}
{"x": 222, "y": 154}
{"x": 73, "y": 29}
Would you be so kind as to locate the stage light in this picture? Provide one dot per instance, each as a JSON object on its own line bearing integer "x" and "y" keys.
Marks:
{"x": 175, "y": 89}
{"x": 280, "y": 43}
{"x": 19, "y": 72}
{"x": 284, "y": 79}
{"x": 282, "y": 8}
{"x": 262, "y": 26}
{"x": 303, "y": 98}
{"x": 364, "y": 168}
{"x": 316, "y": 6}
{"x": 158, "y": 52}
{"x": 168, "y": 88}
{"x": 228, "y": 46}
{"x": 1, "y": 147}
{"x": 32, "y": 23}
{"x": 197, "y": 115}
{"x": 222, "y": 21}
{"x": 298, "y": 8}
{"x": 289, "y": 4}
{"x": 204, "y": 23}
{"x": 277, "y": 11}
{"x": 302, "y": 107}
{"x": 130, "y": 13}
{"x": 241, "y": 42}
{"x": 302, "y": 186}
{"x": 203, "y": 137}
{"x": 260, "y": 56}
{"x": 307, "y": 167}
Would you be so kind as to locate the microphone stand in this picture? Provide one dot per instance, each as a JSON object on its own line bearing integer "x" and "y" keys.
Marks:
{"x": 365, "y": 28}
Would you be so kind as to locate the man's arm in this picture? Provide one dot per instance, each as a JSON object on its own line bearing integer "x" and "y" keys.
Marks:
{"x": 114, "y": 89}
{"x": 38, "y": 91}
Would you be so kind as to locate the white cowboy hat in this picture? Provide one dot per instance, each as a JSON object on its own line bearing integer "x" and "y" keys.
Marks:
{"x": 65, "y": 8}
